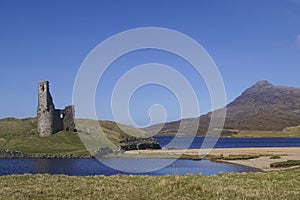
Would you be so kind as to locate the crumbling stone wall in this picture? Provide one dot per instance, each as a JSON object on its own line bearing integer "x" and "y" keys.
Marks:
{"x": 67, "y": 115}
{"x": 51, "y": 120}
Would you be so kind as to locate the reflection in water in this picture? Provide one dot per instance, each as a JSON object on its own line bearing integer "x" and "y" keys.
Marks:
{"x": 90, "y": 167}
{"x": 51, "y": 166}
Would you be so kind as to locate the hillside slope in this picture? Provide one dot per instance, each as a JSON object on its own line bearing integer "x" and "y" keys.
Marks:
{"x": 262, "y": 107}
{"x": 21, "y": 135}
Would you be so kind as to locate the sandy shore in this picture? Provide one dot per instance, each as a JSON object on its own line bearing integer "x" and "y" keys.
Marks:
{"x": 262, "y": 162}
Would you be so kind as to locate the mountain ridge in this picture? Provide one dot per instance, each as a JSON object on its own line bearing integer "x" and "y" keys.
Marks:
{"x": 262, "y": 107}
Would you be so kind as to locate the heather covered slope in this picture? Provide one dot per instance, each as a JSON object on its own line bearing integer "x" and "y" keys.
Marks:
{"x": 262, "y": 107}
{"x": 265, "y": 107}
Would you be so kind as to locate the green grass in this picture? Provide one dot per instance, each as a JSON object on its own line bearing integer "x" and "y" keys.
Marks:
{"x": 275, "y": 157}
{"x": 231, "y": 156}
{"x": 221, "y": 157}
{"x": 12, "y": 127}
{"x": 21, "y": 135}
{"x": 261, "y": 185}
{"x": 293, "y": 129}
{"x": 287, "y": 132}
{"x": 288, "y": 163}
{"x": 190, "y": 157}
{"x": 111, "y": 133}
{"x": 241, "y": 157}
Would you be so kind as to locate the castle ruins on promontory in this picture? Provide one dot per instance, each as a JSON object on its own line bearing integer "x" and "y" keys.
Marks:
{"x": 50, "y": 119}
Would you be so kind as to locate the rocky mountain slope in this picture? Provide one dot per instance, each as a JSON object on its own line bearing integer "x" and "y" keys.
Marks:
{"x": 261, "y": 107}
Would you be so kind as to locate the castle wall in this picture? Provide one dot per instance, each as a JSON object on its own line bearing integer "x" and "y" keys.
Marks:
{"x": 58, "y": 121}
{"x": 51, "y": 120}
{"x": 45, "y": 112}
{"x": 68, "y": 120}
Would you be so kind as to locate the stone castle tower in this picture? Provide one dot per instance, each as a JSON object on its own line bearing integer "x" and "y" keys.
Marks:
{"x": 51, "y": 120}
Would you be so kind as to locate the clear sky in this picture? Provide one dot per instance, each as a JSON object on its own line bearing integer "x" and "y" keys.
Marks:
{"x": 48, "y": 40}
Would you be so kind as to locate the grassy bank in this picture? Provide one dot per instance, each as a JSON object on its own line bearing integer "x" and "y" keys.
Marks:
{"x": 288, "y": 163}
{"x": 263, "y": 185}
{"x": 21, "y": 135}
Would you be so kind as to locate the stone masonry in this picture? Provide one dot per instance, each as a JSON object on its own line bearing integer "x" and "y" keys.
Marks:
{"x": 51, "y": 120}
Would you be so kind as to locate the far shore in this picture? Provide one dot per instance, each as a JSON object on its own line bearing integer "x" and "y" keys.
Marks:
{"x": 262, "y": 162}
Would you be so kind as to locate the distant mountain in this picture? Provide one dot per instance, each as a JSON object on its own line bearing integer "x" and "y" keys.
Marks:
{"x": 261, "y": 107}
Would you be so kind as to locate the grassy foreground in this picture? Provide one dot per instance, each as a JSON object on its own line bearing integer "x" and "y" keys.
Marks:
{"x": 262, "y": 185}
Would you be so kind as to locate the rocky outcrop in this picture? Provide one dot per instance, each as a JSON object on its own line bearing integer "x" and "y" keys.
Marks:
{"x": 140, "y": 144}
{"x": 106, "y": 151}
{"x": 18, "y": 154}
{"x": 12, "y": 154}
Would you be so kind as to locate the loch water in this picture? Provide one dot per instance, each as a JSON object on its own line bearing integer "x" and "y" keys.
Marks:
{"x": 91, "y": 167}
{"x": 197, "y": 142}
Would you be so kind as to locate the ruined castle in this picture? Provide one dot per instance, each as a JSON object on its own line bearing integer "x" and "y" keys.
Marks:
{"x": 51, "y": 120}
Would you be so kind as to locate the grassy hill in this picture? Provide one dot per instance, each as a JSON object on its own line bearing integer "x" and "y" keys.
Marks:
{"x": 21, "y": 135}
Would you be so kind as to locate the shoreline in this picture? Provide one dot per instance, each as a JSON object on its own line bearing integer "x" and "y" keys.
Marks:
{"x": 262, "y": 162}
{"x": 231, "y": 136}
{"x": 10, "y": 154}
{"x": 259, "y": 158}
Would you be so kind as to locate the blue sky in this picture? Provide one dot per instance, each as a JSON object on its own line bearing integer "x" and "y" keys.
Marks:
{"x": 48, "y": 40}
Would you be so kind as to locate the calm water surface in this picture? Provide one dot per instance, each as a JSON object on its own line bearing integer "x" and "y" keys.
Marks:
{"x": 90, "y": 167}
{"x": 181, "y": 142}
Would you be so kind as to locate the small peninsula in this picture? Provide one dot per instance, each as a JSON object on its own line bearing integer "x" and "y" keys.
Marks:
{"x": 53, "y": 133}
